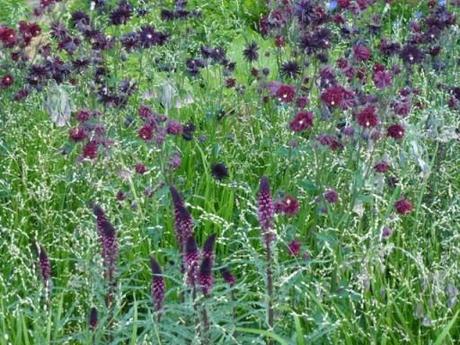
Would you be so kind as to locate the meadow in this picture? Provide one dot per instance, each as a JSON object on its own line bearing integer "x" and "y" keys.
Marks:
{"x": 229, "y": 172}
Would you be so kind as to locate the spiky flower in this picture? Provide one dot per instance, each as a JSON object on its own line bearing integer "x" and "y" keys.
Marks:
{"x": 251, "y": 52}
{"x": 290, "y": 69}
{"x": 182, "y": 219}
{"x": 92, "y": 319}
{"x": 205, "y": 279}
{"x": 191, "y": 258}
{"x": 266, "y": 209}
{"x": 228, "y": 276}
{"x": 45, "y": 266}
{"x": 108, "y": 239}
{"x": 208, "y": 247}
{"x": 158, "y": 284}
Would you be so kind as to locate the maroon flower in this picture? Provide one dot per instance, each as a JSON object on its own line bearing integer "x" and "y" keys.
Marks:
{"x": 294, "y": 247}
{"x": 403, "y": 206}
{"x": 382, "y": 79}
{"x": 331, "y": 196}
{"x": 8, "y": 37}
{"x": 331, "y": 141}
{"x": 337, "y": 96}
{"x": 146, "y": 132}
{"x": 381, "y": 167}
{"x": 6, "y": 81}
{"x": 140, "y": 168}
{"x": 361, "y": 52}
{"x": 83, "y": 115}
{"x": 174, "y": 127}
{"x": 208, "y": 247}
{"x": 302, "y": 121}
{"x": 289, "y": 205}
{"x": 45, "y": 266}
{"x": 285, "y": 93}
{"x": 77, "y": 134}
{"x": 90, "y": 150}
{"x": 229, "y": 278}
{"x": 368, "y": 117}
{"x": 191, "y": 258}
{"x": 109, "y": 243}
{"x": 396, "y": 131}
{"x": 205, "y": 278}
{"x": 266, "y": 209}
{"x": 183, "y": 222}
{"x": 158, "y": 284}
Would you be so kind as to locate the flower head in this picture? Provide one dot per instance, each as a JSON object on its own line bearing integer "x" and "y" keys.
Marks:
{"x": 229, "y": 278}
{"x": 403, "y": 206}
{"x": 302, "y": 121}
{"x": 158, "y": 284}
{"x": 368, "y": 117}
{"x": 266, "y": 209}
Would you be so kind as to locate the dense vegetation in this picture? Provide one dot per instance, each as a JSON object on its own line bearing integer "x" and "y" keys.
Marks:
{"x": 229, "y": 172}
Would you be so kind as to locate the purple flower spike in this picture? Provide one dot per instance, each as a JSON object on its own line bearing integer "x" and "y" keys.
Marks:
{"x": 182, "y": 219}
{"x": 205, "y": 278}
{"x": 191, "y": 257}
{"x": 108, "y": 238}
{"x": 228, "y": 276}
{"x": 92, "y": 320}
{"x": 158, "y": 285}
{"x": 208, "y": 247}
{"x": 45, "y": 266}
{"x": 266, "y": 209}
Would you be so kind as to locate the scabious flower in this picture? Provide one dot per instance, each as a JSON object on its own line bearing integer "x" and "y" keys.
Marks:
{"x": 219, "y": 171}
{"x": 337, "y": 96}
{"x": 174, "y": 127}
{"x": 411, "y": 54}
{"x": 403, "y": 206}
{"x": 228, "y": 277}
{"x": 6, "y": 81}
{"x": 331, "y": 196}
{"x": 294, "y": 248}
{"x": 90, "y": 149}
{"x": 396, "y": 131}
{"x": 367, "y": 117}
{"x": 266, "y": 209}
{"x": 158, "y": 284}
{"x": 288, "y": 205}
{"x": 302, "y": 121}
{"x": 282, "y": 92}
{"x": 361, "y": 52}
{"x": 77, "y": 134}
{"x": 146, "y": 132}
{"x": 381, "y": 167}
{"x": 382, "y": 79}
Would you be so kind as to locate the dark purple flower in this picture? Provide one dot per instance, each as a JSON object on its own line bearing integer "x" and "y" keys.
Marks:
{"x": 174, "y": 127}
{"x": 140, "y": 168}
{"x": 130, "y": 41}
{"x": 205, "y": 278}
{"x": 382, "y": 79}
{"x": 368, "y": 117}
{"x": 208, "y": 247}
{"x": 361, "y": 52}
{"x": 290, "y": 69}
{"x": 285, "y": 93}
{"x": 411, "y": 54}
{"x": 337, "y": 96}
{"x": 149, "y": 37}
{"x": 191, "y": 258}
{"x": 146, "y": 132}
{"x": 92, "y": 318}
{"x": 331, "y": 196}
{"x": 331, "y": 141}
{"x": 175, "y": 161}
{"x": 182, "y": 219}
{"x": 6, "y": 81}
{"x": 90, "y": 149}
{"x": 219, "y": 171}
{"x": 302, "y": 121}
{"x": 396, "y": 131}
{"x": 403, "y": 206}
{"x": 250, "y": 52}
{"x": 77, "y": 134}
{"x": 294, "y": 247}
{"x": 229, "y": 278}
{"x": 381, "y": 167}
{"x": 158, "y": 284}
{"x": 121, "y": 14}
{"x": 288, "y": 205}
{"x": 386, "y": 233}
{"x": 45, "y": 266}
{"x": 108, "y": 239}
{"x": 266, "y": 209}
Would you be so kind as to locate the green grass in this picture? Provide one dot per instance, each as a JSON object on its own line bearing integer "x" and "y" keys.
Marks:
{"x": 355, "y": 288}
